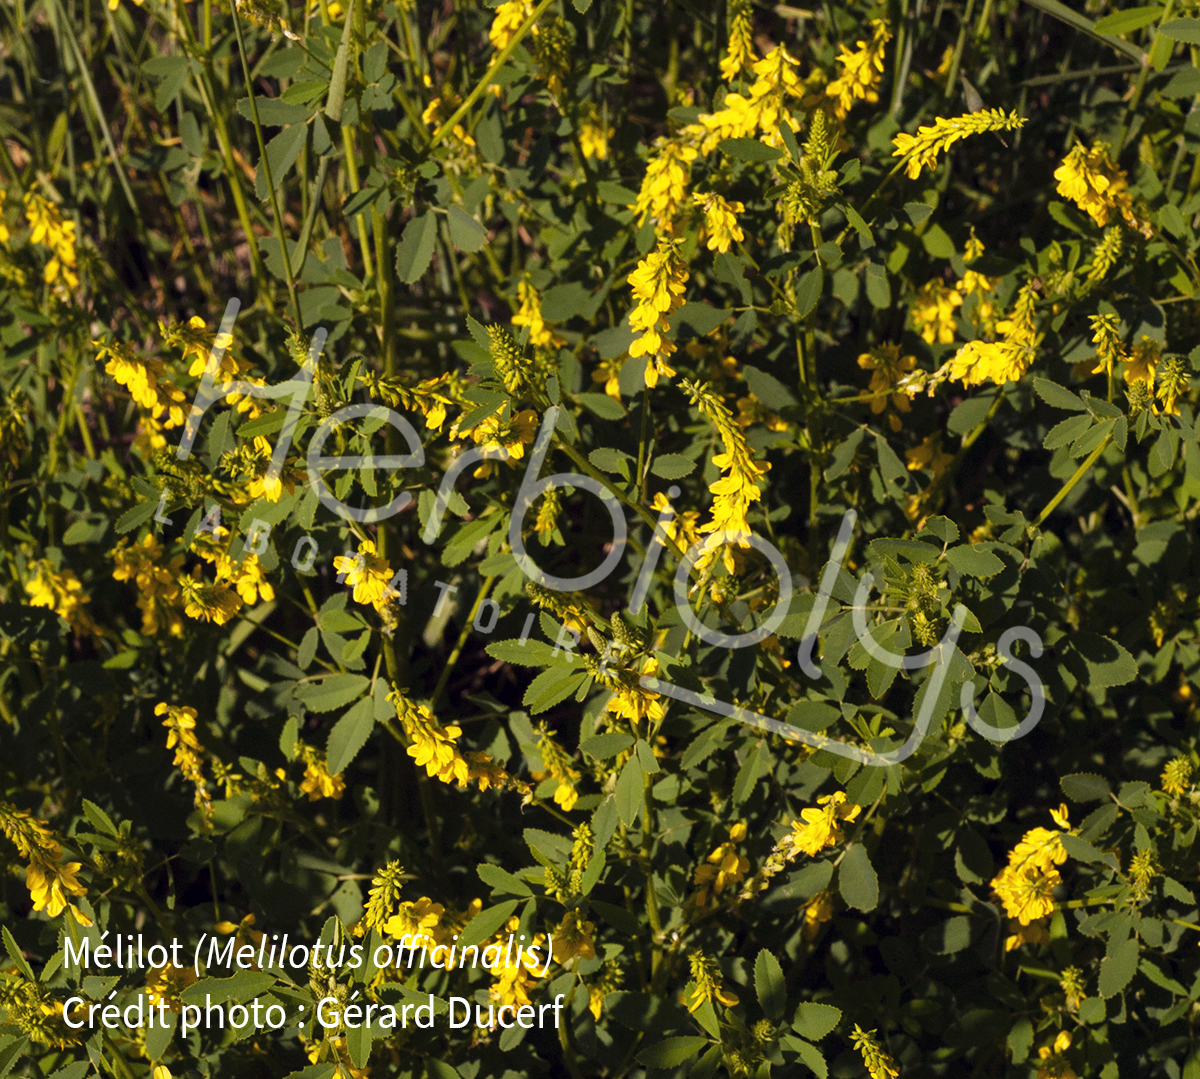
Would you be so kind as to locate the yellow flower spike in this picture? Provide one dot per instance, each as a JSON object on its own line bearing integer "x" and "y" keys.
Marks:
{"x": 664, "y": 187}
{"x": 740, "y": 52}
{"x": 861, "y": 71}
{"x": 879, "y": 1064}
{"x": 821, "y": 826}
{"x": 507, "y": 21}
{"x": 922, "y": 149}
{"x": 1091, "y": 180}
{"x": 658, "y": 285}
{"x": 720, "y": 219}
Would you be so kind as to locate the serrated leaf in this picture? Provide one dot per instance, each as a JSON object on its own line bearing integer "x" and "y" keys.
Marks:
{"x": 672, "y": 466}
{"x": 1085, "y": 787}
{"x": 769, "y": 985}
{"x": 808, "y": 290}
{"x": 1058, "y": 396}
{"x": 749, "y": 150}
{"x": 532, "y": 653}
{"x": 813, "y": 1021}
{"x": 672, "y": 1052}
{"x": 550, "y": 687}
{"x": 605, "y": 746}
{"x": 1129, "y": 20}
{"x": 1118, "y": 967}
{"x": 14, "y": 953}
{"x": 349, "y": 735}
{"x": 467, "y": 233}
{"x": 501, "y": 880}
{"x": 99, "y": 818}
{"x": 857, "y": 880}
{"x": 973, "y": 561}
{"x": 136, "y": 517}
{"x": 415, "y": 250}
{"x": 486, "y": 923}
{"x": 1186, "y": 30}
{"x": 332, "y": 692}
{"x": 629, "y": 792}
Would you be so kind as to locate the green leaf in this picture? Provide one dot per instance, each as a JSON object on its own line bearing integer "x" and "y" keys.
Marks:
{"x": 609, "y": 460}
{"x": 14, "y": 953}
{"x": 501, "y": 880}
{"x": 349, "y": 735}
{"x": 672, "y": 466}
{"x": 767, "y": 388}
{"x": 879, "y": 291}
{"x": 1085, "y": 787}
{"x": 813, "y": 716}
{"x": 467, "y": 233}
{"x": 629, "y": 792}
{"x": 749, "y": 150}
{"x": 672, "y": 1052}
{"x": 604, "y": 746}
{"x": 1129, "y": 20}
{"x": 272, "y": 112}
{"x": 769, "y": 985}
{"x": 814, "y": 1021}
{"x": 331, "y": 692}
{"x": 1064, "y": 14}
{"x": 974, "y": 562}
{"x": 857, "y": 880}
{"x": 703, "y": 318}
{"x": 602, "y": 405}
{"x": 486, "y": 923}
{"x": 282, "y": 152}
{"x": 1082, "y": 851}
{"x": 1058, "y": 396}
{"x": 1066, "y": 431}
{"x": 615, "y": 193}
{"x": 134, "y": 518}
{"x": 243, "y": 986}
{"x": 551, "y": 686}
{"x": 1118, "y": 967}
{"x": 532, "y": 653}
{"x": 1186, "y": 30}
{"x": 917, "y": 211}
{"x": 808, "y": 290}
{"x": 809, "y": 1055}
{"x": 415, "y": 250}
{"x": 1097, "y": 660}
{"x": 100, "y": 820}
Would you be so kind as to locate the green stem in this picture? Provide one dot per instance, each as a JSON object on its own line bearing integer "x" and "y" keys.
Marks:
{"x": 484, "y": 82}
{"x": 444, "y": 677}
{"x": 1069, "y": 486}
{"x": 265, "y": 165}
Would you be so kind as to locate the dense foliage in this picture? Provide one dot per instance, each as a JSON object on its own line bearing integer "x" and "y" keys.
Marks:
{"x": 776, "y": 298}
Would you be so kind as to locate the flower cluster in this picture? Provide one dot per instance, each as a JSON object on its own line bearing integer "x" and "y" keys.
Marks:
{"x": 821, "y": 826}
{"x": 1091, "y": 180}
{"x": 181, "y": 724}
{"x": 51, "y": 230}
{"x": 49, "y": 879}
{"x": 723, "y": 867}
{"x": 861, "y": 70}
{"x": 1026, "y": 885}
{"x": 658, "y": 285}
{"x": 922, "y": 149}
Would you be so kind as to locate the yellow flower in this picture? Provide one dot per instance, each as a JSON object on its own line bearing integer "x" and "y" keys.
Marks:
{"x": 558, "y": 766}
{"x": 819, "y": 828}
{"x": 609, "y": 373}
{"x": 1020, "y": 935}
{"x": 157, "y": 582}
{"x": 933, "y": 312}
{"x": 861, "y": 70}
{"x": 1140, "y": 366}
{"x": 574, "y": 937}
{"x": 1026, "y": 885}
{"x": 1091, "y": 180}
{"x": 720, "y": 219}
{"x": 180, "y": 723}
{"x": 630, "y": 699}
{"x": 658, "y": 285}
{"x": 62, "y": 592}
{"x": 763, "y": 110}
{"x": 1001, "y": 361}
{"x": 194, "y": 340}
{"x": 1177, "y": 776}
{"x": 887, "y": 368}
{"x": 922, "y": 149}
{"x": 664, "y": 187}
{"x": 422, "y": 918}
{"x": 49, "y": 885}
{"x": 879, "y": 1064}
{"x": 593, "y": 133}
{"x": 50, "y": 230}
{"x": 741, "y": 486}
{"x": 530, "y": 314}
{"x": 740, "y": 51}
{"x": 928, "y": 454}
{"x": 367, "y": 574}
{"x": 143, "y": 377}
{"x": 507, "y": 21}
{"x": 1053, "y": 1064}
{"x": 208, "y": 602}
{"x": 166, "y": 984}
{"x": 513, "y": 981}
{"x": 706, "y": 976}
{"x": 317, "y": 782}
{"x": 817, "y": 910}
{"x": 3, "y": 226}
{"x": 722, "y": 868}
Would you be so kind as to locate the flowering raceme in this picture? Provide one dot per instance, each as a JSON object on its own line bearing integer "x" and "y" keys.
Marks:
{"x": 1091, "y": 180}
{"x": 50, "y": 230}
{"x": 1026, "y": 885}
{"x": 922, "y": 149}
{"x": 821, "y": 827}
{"x": 933, "y": 312}
{"x": 664, "y": 187}
{"x": 1006, "y": 360}
{"x": 861, "y": 72}
{"x": 887, "y": 368}
{"x": 49, "y": 879}
{"x": 658, "y": 285}
{"x": 720, "y": 220}
{"x": 762, "y": 110}
{"x": 725, "y": 866}
{"x": 740, "y": 51}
